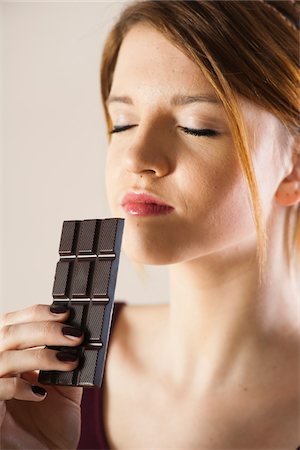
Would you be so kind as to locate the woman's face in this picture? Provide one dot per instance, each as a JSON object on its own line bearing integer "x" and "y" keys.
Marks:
{"x": 164, "y": 97}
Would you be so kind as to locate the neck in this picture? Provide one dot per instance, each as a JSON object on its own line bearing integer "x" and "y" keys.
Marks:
{"x": 221, "y": 320}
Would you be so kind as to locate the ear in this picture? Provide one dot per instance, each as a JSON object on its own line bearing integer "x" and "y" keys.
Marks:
{"x": 288, "y": 192}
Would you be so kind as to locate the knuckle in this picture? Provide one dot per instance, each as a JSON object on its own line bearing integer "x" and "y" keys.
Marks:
{"x": 8, "y": 388}
{"x": 3, "y": 317}
{"x": 36, "y": 311}
{"x": 5, "y": 333}
{"x": 1, "y": 339}
{"x": 11, "y": 387}
{"x": 4, "y": 364}
{"x": 39, "y": 354}
{"x": 48, "y": 328}
{"x": 2, "y": 347}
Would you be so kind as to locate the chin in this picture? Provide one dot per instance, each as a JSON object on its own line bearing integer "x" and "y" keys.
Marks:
{"x": 147, "y": 251}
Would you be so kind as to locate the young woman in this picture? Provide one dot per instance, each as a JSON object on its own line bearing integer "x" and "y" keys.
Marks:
{"x": 202, "y": 107}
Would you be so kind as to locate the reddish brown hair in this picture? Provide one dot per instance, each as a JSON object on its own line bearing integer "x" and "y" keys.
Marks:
{"x": 245, "y": 47}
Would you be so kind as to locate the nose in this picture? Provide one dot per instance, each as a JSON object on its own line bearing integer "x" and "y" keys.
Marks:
{"x": 150, "y": 151}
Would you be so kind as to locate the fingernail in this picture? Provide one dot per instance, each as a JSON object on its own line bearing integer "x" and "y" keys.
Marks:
{"x": 58, "y": 309}
{"x": 71, "y": 332}
{"x": 67, "y": 356}
{"x": 37, "y": 390}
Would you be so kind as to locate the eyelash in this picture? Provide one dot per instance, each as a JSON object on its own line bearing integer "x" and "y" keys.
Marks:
{"x": 200, "y": 132}
{"x": 193, "y": 131}
{"x": 119, "y": 129}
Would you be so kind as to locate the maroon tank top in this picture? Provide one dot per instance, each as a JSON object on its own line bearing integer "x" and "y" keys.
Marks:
{"x": 93, "y": 435}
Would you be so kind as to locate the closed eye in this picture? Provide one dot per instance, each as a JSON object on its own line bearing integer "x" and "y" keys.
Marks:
{"x": 118, "y": 129}
{"x": 193, "y": 131}
{"x": 200, "y": 131}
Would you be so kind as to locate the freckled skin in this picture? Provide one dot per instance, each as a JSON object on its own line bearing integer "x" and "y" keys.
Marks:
{"x": 199, "y": 176}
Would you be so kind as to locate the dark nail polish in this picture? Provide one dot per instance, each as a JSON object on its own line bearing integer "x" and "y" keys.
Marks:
{"x": 37, "y": 390}
{"x": 67, "y": 356}
{"x": 71, "y": 331}
{"x": 58, "y": 309}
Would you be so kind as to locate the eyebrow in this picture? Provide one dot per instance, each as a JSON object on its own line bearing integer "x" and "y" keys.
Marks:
{"x": 177, "y": 100}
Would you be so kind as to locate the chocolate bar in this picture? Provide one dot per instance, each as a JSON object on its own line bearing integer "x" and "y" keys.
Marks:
{"x": 85, "y": 281}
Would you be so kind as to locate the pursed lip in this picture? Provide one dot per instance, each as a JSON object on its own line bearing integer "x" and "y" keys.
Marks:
{"x": 142, "y": 197}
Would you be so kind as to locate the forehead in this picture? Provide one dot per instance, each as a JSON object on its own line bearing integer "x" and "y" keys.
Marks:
{"x": 151, "y": 68}
{"x": 147, "y": 59}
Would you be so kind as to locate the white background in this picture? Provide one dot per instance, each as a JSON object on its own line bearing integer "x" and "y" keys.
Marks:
{"x": 53, "y": 145}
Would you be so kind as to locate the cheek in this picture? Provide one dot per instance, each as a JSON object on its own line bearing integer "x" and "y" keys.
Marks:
{"x": 207, "y": 183}
{"x": 217, "y": 202}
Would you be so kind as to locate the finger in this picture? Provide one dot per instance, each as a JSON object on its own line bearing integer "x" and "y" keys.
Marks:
{"x": 14, "y": 362}
{"x": 21, "y": 390}
{"x": 30, "y": 377}
{"x": 74, "y": 393}
{"x": 26, "y": 335}
{"x": 33, "y": 313}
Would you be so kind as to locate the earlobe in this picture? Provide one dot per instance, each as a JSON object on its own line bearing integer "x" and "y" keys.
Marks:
{"x": 288, "y": 193}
